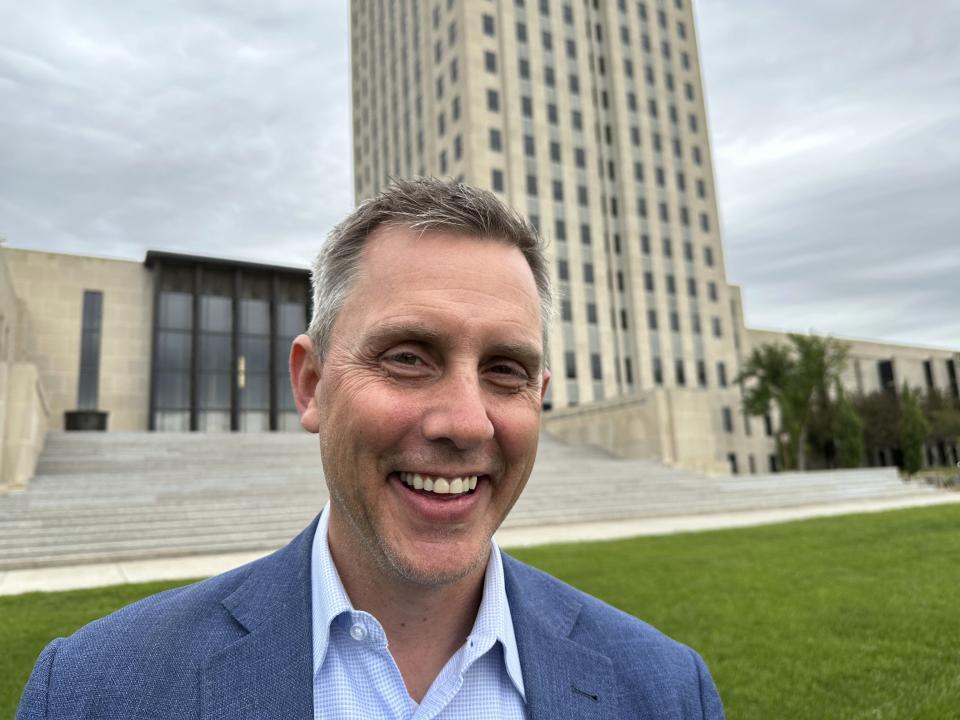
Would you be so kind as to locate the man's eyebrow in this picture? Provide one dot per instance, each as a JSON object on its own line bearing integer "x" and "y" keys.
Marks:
{"x": 407, "y": 330}
{"x": 525, "y": 352}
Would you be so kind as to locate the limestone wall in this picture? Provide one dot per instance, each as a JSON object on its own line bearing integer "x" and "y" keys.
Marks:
{"x": 23, "y": 409}
{"x": 50, "y": 287}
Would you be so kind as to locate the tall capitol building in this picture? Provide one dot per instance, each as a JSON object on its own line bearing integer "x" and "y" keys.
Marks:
{"x": 588, "y": 117}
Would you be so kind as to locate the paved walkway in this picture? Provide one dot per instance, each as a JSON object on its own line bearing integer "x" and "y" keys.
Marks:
{"x": 14, "y": 582}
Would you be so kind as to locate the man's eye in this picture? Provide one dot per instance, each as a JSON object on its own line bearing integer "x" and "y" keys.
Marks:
{"x": 404, "y": 358}
{"x": 510, "y": 370}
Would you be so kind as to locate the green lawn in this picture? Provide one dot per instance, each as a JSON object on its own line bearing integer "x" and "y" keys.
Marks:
{"x": 850, "y": 617}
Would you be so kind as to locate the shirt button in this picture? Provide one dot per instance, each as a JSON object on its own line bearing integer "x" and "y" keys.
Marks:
{"x": 358, "y": 632}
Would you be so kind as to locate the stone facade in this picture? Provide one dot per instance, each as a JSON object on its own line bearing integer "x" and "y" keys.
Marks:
{"x": 50, "y": 287}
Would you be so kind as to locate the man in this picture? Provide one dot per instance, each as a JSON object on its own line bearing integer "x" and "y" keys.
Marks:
{"x": 423, "y": 373}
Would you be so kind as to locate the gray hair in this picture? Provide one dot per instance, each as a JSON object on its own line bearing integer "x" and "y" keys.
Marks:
{"x": 424, "y": 204}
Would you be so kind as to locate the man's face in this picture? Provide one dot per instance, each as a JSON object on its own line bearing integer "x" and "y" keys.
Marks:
{"x": 432, "y": 378}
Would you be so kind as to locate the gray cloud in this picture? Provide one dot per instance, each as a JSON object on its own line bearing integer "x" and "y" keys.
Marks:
{"x": 224, "y": 129}
{"x": 838, "y": 163}
{"x": 215, "y": 128}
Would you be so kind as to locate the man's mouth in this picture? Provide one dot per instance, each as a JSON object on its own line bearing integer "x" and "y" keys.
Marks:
{"x": 439, "y": 485}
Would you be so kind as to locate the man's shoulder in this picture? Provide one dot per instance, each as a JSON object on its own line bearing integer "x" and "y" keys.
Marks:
{"x": 600, "y": 626}
{"x": 164, "y": 635}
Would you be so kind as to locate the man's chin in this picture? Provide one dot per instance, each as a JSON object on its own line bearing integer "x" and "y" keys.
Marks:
{"x": 434, "y": 566}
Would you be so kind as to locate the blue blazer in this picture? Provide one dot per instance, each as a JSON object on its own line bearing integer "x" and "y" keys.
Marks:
{"x": 238, "y": 646}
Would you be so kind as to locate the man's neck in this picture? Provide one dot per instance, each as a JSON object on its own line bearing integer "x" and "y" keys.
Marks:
{"x": 425, "y": 625}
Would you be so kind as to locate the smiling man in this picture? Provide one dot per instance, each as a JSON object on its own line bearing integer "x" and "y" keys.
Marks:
{"x": 423, "y": 374}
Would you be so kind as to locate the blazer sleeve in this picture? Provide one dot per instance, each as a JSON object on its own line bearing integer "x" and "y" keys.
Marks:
{"x": 709, "y": 697}
{"x": 33, "y": 702}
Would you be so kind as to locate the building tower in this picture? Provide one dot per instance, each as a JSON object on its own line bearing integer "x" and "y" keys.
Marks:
{"x": 587, "y": 116}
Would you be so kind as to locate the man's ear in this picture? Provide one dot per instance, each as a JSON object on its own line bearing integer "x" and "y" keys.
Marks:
{"x": 543, "y": 387}
{"x": 304, "y": 376}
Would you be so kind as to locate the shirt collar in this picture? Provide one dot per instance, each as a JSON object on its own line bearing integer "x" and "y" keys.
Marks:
{"x": 493, "y": 624}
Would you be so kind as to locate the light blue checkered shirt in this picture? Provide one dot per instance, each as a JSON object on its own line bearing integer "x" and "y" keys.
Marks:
{"x": 355, "y": 676}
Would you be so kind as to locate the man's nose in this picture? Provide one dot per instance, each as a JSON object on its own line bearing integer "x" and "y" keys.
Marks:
{"x": 458, "y": 412}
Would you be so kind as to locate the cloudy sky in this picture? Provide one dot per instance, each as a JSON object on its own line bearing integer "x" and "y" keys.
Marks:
{"x": 222, "y": 128}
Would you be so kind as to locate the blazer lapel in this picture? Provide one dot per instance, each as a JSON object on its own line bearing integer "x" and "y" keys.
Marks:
{"x": 561, "y": 678}
{"x": 268, "y": 673}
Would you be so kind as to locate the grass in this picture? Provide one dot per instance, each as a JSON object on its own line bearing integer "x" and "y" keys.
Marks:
{"x": 848, "y": 617}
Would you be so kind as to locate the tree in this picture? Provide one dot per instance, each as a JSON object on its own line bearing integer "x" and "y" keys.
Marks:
{"x": 847, "y": 431}
{"x": 797, "y": 380}
{"x": 913, "y": 430}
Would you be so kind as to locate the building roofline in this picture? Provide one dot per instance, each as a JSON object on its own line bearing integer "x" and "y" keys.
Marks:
{"x": 849, "y": 338}
{"x": 154, "y": 256}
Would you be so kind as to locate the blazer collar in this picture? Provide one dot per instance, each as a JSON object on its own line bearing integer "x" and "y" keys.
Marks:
{"x": 268, "y": 672}
{"x": 562, "y": 678}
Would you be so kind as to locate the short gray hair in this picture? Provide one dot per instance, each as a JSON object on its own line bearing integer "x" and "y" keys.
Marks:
{"x": 425, "y": 204}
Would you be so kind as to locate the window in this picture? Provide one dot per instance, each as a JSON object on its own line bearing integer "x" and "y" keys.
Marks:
{"x": 493, "y": 101}
{"x": 695, "y": 323}
{"x": 692, "y": 121}
{"x": 443, "y": 162}
{"x": 454, "y": 70}
{"x": 721, "y": 374}
{"x": 691, "y": 287}
{"x": 658, "y": 174}
{"x": 496, "y": 140}
{"x": 496, "y": 180}
{"x": 635, "y": 136}
{"x": 547, "y": 40}
{"x": 566, "y": 311}
{"x": 648, "y": 281}
{"x": 488, "y": 28}
{"x": 585, "y": 234}
{"x": 727, "y": 420}
{"x": 638, "y": 171}
{"x": 592, "y": 313}
{"x": 708, "y": 256}
{"x": 531, "y": 185}
{"x": 576, "y": 119}
{"x": 558, "y": 190}
{"x": 732, "y": 461}
{"x": 552, "y": 113}
{"x": 521, "y": 32}
{"x": 88, "y": 386}
{"x": 712, "y": 291}
{"x": 440, "y": 86}
{"x": 455, "y": 108}
{"x": 696, "y": 155}
{"x": 549, "y": 76}
{"x": 688, "y": 251}
{"x": 679, "y": 371}
{"x": 574, "y": 85}
{"x": 588, "y": 273}
{"x": 526, "y": 106}
{"x": 457, "y": 147}
{"x": 570, "y": 365}
{"x": 582, "y": 195}
{"x": 717, "y": 327}
{"x": 529, "y": 147}
{"x": 490, "y": 61}
{"x": 652, "y": 319}
{"x": 642, "y": 211}
{"x": 667, "y": 248}
{"x": 571, "y": 49}
{"x": 560, "y": 229}
{"x": 580, "y": 157}
{"x": 524, "y": 68}
{"x": 701, "y": 373}
{"x": 596, "y": 367}
{"x": 675, "y": 322}
{"x": 701, "y": 189}
{"x": 441, "y": 125}
{"x": 563, "y": 270}
{"x": 704, "y": 222}
{"x": 658, "y": 371}
{"x": 645, "y": 244}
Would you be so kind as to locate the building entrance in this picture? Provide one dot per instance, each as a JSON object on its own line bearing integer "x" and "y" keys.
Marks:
{"x": 222, "y": 334}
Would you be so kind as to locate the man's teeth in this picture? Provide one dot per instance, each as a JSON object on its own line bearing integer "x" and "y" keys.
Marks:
{"x": 439, "y": 485}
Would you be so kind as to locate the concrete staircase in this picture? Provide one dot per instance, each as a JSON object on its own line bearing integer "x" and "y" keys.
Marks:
{"x": 115, "y": 496}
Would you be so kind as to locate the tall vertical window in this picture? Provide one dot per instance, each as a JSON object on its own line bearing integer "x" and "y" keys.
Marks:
{"x": 174, "y": 350}
{"x": 89, "y": 384}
